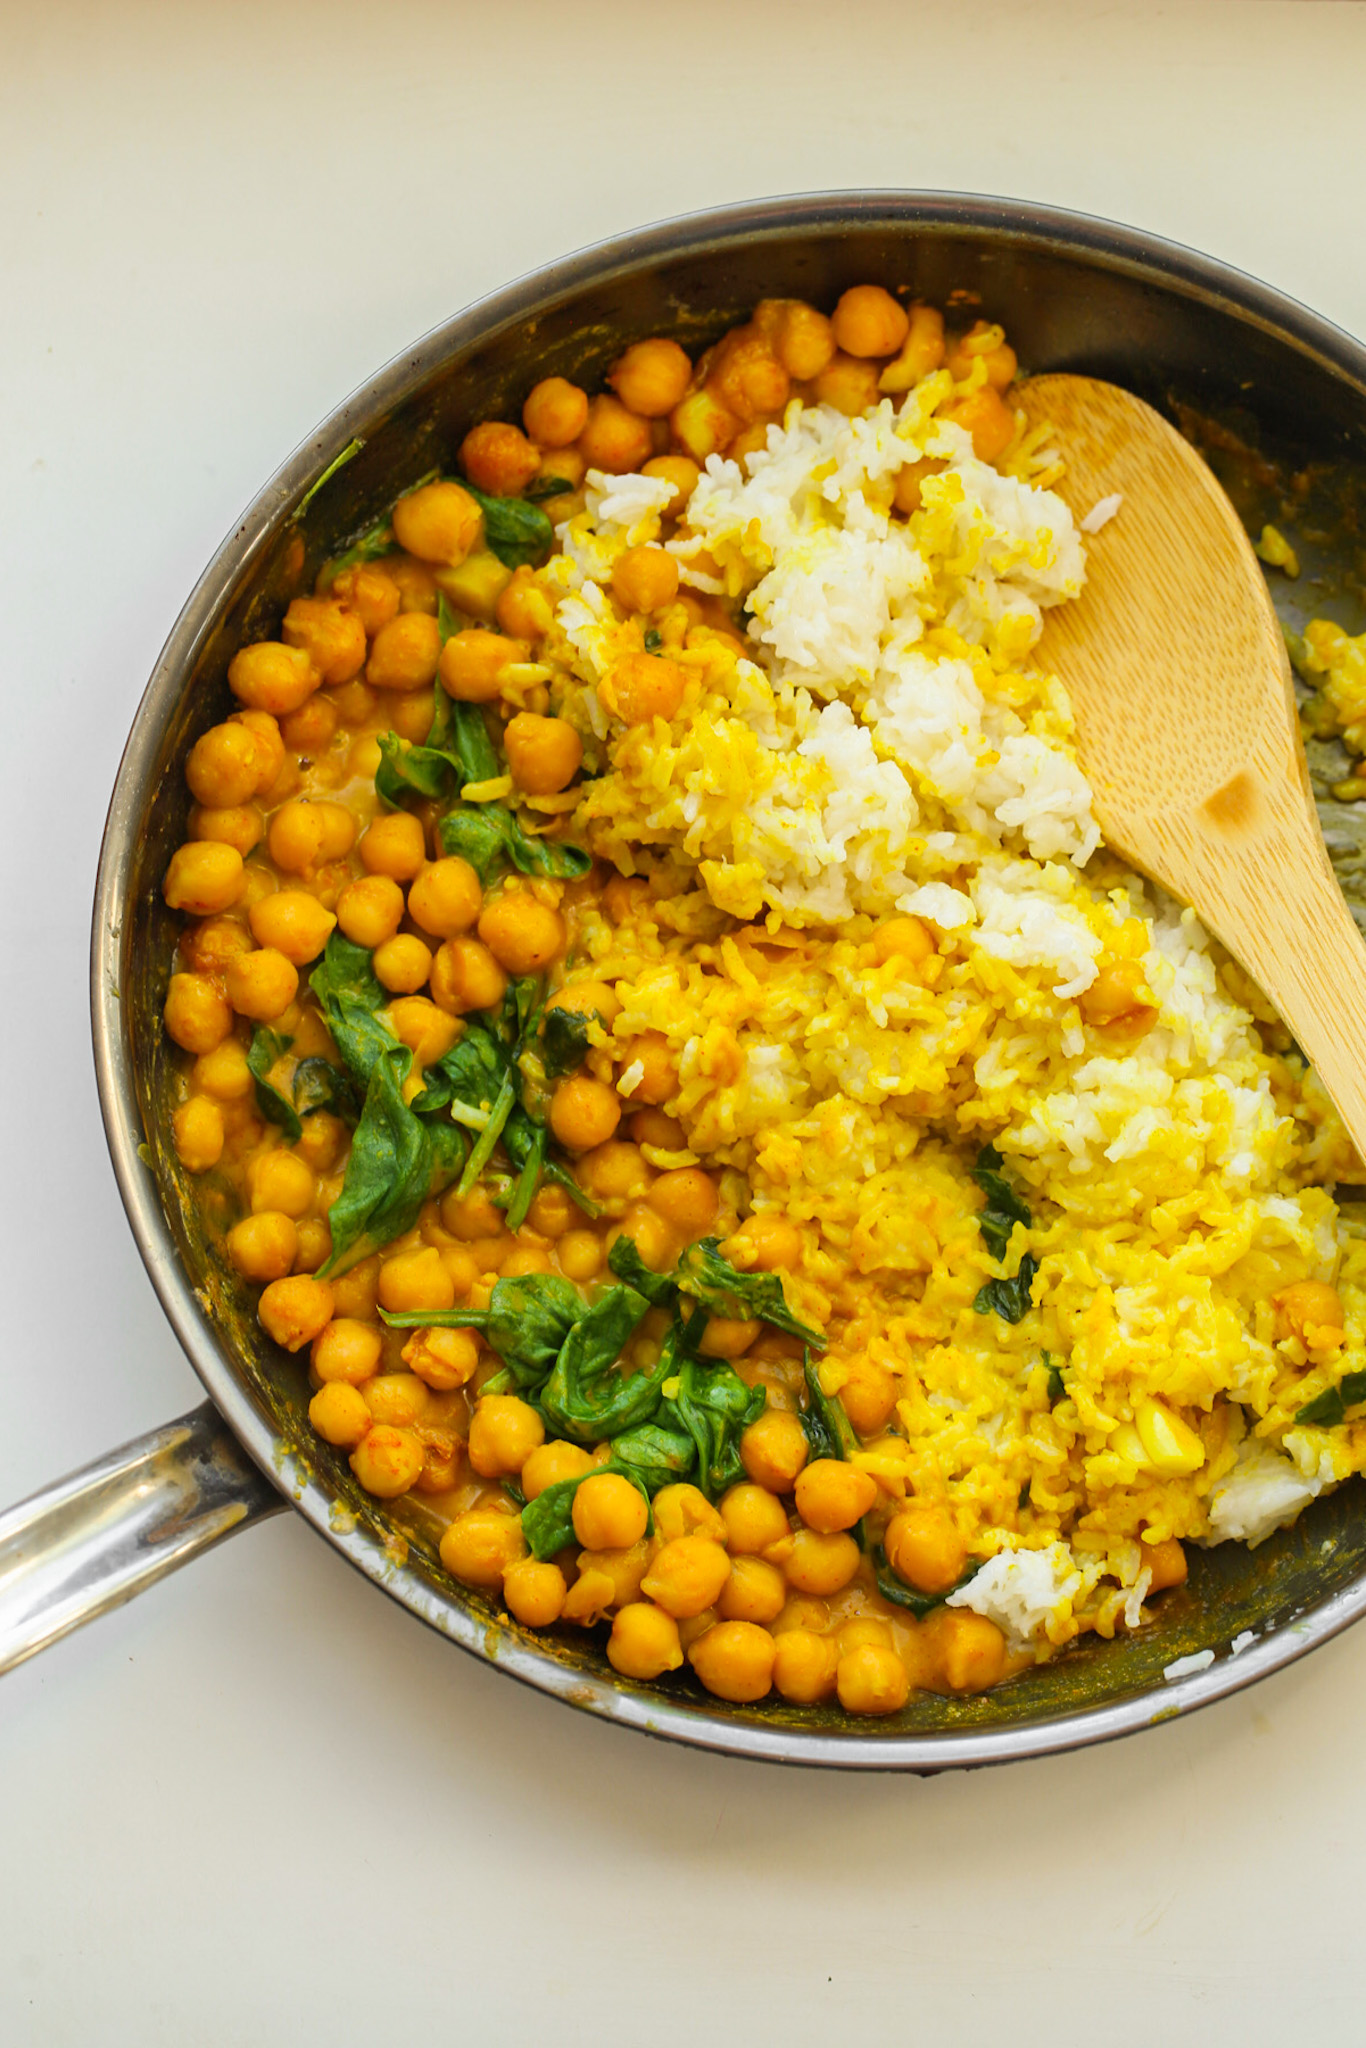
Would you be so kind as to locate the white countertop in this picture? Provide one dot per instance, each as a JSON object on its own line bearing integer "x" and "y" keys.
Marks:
{"x": 262, "y": 1805}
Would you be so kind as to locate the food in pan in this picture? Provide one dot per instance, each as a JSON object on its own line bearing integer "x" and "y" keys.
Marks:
{"x": 661, "y": 1030}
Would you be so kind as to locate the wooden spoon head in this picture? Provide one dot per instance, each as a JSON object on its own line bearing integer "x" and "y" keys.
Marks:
{"x": 1172, "y": 656}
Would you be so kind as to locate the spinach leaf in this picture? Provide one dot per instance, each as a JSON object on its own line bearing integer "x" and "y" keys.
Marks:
{"x": 714, "y": 1406}
{"x": 584, "y": 1398}
{"x": 459, "y": 732}
{"x": 709, "y": 1278}
{"x": 457, "y": 751}
{"x": 546, "y": 487}
{"x": 482, "y": 1149}
{"x": 564, "y": 1041}
{"x": 625, "y": 1261}
{"x": 389, "y": 1171}
{"x": 1010, "y": 1299}
{"x": 349, "y": 995}
{"x": 548, "y": 1521}
{"x": 901, "y": 1595}
{"x": 827, "y": 1429}
{"x": 1329, "y": 1409}
{"x": 1022, "y": 1499}
{"x": 376, "y": 541}
{"x": 406, "y": 770}
{"x": 1056, "y": 1388}
{"x": 650, "y": 1457}
{"x": 491, "y": 839}
{"x": 267, "y": 1047}
{"x": 470, "y": 1075}
{"x": 526, "y": 1322}
{"x": 654, "y": 640}
{"x": 1004, "y": 1208}
{"x": 518, "y": 532}
{"x": 320, "y": 1085}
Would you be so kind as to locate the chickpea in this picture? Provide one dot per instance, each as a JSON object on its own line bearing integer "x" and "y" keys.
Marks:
{"x": 417, "y": 590}
{"x": 387, "y": 1460}
{"x": 1167, "y": 1563}
{"x": 262, "y": 984}
{"x": 986, "y": 341}
{"x": 728, "y": 1337}
{"x": 438, "y": 523}
{"x": 446, "y": 897}
{"x": 552, "y": 1211}
{"x": 543, "y": 753}
{"x": 534, "y": 1592}
{"x": 293, "y": 1311}
{"x": 473, "y": 662}
{"x": 802, "y": 338}
{"x": 339, "y": 1415}
{"x": 989, "y": 420}
{"x": 687, "y": 1199}
{"x": 224, "y": 767}
{"x": 1311, "y": 1311}
{"x": 644, "y": 1642}
{"x": 462, "y": 1267}
{"x": 847, "y": 384}
{"x": 872, "y": 1680}
{"x": 204, "y": 876}
{"x": 583, "y": 1112}
{"x": 687, "y": 1575}
{"x": 355, "y": 1289}
{"x": 703, "y": 426}
{"x": 679, "y": 470}
{"x": 347, "y": 1352}
{"x": 197, "y": 1013}
{"x": 471, "y": 1216}
{"x": 394, "y": 846}
{"x": 320, "y": 1140}
{"x": 555, "y": 412}
{"x": 280, "y": 1180}
{"x": 971, "y": 1650}
{"x": 869, "y": 322}
{"x": 683, "y": 1510}
{"x": 291, "y": 922}
{"x": 224, "y": 1073}
{"x": 370, "y": 911}
{"x": 315, "y": 1245}
{"x": 198, "y": 1129}
{"x": 465, "y": 976}
{"x": 921, "y": 352}
{"x": 1116, "y": 997}
{"x": 548, "y": 1464}
{"x": 645, "y": 579}
{"x": 642, "y": 687}
{"x": 415, "y": 1280}
{"x": 405, "y": 653}
{"x": 444, "y": 1359}
{"x": 747, "y": 377}
{"x": 420, "y": 1024}
{"x": 296, "y": 836}
{"x": 820, "y": 1563}
{"x": 398, "y": 1398}
{"x": 735, "y": 1661}
{"x": 524, "y": 936}
{"x": 924, "y": 1548}
{"x": 804, "y": 1666}
{"x": 269, "y": 676}
{"x": 503, "y": 1434}
{"x": 581, "y": 1254}
{"x": 333, "y": 639}
{"x": 663, "y": 1133}
{"x": 480, "y": 1545}
{"x": 369, "y": 593}
{"x": 402, "y": 964}
{"x": 755, "y": 1591}
{"x": 650, "y": 1235}
{"x": 262, "y": 1247}
{"x": 766, "y": 1242}
{"x": 755, "y": 1519}
{"x": 270, "y": 747}
{"x": 609, "y": 1512}
{"x": 441, "y": 1454}
{"x": 527, "y": 1259}
{"x": 832, "y": 1495}
{"x": 498, "y": 458}
{"x": 241, "y": 827}
{"x": 410, "y": 715}
{"x": 654, "y": 1078}
{"x": 524, "y": 612}
{"x": 774, "y": 1450}
{"x": 651, "y": 377}
{"x": 869, "y": 1395}
{"x": 614, "y": 439}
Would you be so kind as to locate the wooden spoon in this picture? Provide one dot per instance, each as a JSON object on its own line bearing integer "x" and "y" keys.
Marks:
{"x": 1186, "y": 721}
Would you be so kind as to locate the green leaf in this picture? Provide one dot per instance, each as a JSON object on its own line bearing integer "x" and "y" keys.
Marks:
{"x": 1329, "y": 1409}
{"x": 526, "y": 1322}
{"x": 352, "y": 448}
{"x": 1010, "y": 1299}
{"x": 548, "y": 1521}
{"x": 546, "y": 487}
{"x": 490, "y": 837}
{"x": 649, "y": 1456}
{"x": 448, "y": 619}
{"x": 266, "y": 1047}
{"x": 320, "y": 1085}
{"x": 1056, "y": 1388}
{"x": 349, "y": 995}
{"x": 709, "y": 1278}
{"x": 715, "y": 1407}
{"x": 584, "y": 1398}
{"x": 518, "y": 532}
{"x": 1004, "y": 1208}
{"x": 895, "y": 1589}
{"x": 530, "y": 1167}
{"x": 564, "y": 1040}
{"x": 376, "y": 541}
{"x": 827, "y": 1429}
{"x": 659, "y": 1289}
{"x": 406, "y": 770}
{"x": 482, "y": 1152}
{"x": 654, "y": 640}
{"x": 457, "y": 750}
{"x": 389, "y": 1171}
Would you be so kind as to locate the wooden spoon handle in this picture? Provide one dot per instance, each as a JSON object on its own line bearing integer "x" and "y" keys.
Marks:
{"x": 1279, "y": 910}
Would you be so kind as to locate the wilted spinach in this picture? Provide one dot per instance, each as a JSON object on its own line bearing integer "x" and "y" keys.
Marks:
{"x": 490, "y": 837}
{"x": 526, "y": 1322}
{"x": 649, "y": 1456}
{"x": 723, "y": 1290}
{"x": 542, "y": 487}
{"x": 659, "y": 1289}
{"x": 1010, "y": 1299}
{"x": 1004, "y": 1208}
{"x": 713, "y": 1404}
{"x": 585, "y": 1398}
{"x": 349, "y": 996}
{"x": 320, "y": 1085}
{"x": 518, "y": 532}
{"x": 827, "y": 1429}
{"x": 376, "y": 541}
{"x": 564, "y": 1041}
{"x": 266, "y": 1047}
{"x": 389, "y": 1171}
{"x": 1329, "y": 1409}
{"x": 1056, "y": 1388}
{"x": 896, "y": 1590}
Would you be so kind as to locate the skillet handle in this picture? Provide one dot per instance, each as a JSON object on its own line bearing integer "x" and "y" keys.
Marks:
{"x": 99, "y": 1536}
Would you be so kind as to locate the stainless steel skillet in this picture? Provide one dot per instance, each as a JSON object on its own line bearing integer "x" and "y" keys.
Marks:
{"x": 1286, "y": 393}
